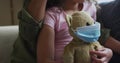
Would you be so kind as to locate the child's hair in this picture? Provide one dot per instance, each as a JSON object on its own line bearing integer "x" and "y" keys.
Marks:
{"x": 51, "y": 3}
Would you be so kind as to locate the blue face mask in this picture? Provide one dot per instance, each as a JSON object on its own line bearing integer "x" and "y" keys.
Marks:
{"x": 88, "y": 33}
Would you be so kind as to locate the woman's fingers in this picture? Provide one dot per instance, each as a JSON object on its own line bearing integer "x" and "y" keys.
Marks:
{"x": 101, "y": 56}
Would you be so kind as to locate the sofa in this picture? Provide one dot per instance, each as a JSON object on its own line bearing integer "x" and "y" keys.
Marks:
{"x": 8, "y": 35}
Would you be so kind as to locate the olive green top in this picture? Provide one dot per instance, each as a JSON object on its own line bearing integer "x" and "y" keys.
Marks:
{"x": 24, "y": 49}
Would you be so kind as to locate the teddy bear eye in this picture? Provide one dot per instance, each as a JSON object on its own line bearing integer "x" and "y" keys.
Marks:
{"x": 87, "y": 24}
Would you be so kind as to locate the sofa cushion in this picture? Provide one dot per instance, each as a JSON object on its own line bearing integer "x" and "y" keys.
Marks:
{"x": 8, "y": 35}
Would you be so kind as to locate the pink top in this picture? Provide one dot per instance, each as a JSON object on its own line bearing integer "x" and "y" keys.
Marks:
{"x": 55, "y": 18}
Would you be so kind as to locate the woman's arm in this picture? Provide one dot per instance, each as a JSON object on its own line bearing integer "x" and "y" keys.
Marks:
{"x": 104, "y": 54}
{"x": 45, "y": 45}
{"x": 113, "y": 44}
{"x": 31, "y": 16}
{"x": 37, "y": 9}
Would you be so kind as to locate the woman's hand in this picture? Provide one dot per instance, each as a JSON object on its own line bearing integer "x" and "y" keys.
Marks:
{"x": 101, "y": 56}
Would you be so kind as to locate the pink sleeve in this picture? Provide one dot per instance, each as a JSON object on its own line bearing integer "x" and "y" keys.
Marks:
{"x": 49, "y": 19}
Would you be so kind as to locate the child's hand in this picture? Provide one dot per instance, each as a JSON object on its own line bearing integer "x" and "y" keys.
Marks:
{"x": 103, "y": 56}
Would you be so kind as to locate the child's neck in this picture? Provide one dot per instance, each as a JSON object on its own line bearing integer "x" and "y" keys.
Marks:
{"x": 70, "y": 8}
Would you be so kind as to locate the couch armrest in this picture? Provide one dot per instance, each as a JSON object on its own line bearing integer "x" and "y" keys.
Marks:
{"x": 8, "y": 35}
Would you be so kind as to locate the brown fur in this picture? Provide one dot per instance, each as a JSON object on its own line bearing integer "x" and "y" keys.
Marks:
{"x": 77, "y": 51}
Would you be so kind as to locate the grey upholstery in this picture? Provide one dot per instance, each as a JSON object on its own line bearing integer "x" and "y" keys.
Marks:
{"x": 8, "y": 35}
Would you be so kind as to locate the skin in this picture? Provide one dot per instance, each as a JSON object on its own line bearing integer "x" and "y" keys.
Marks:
{"x": 73, "y": 5}
{"x": 110, "y": 42}
{"x": 104, "y": 55}
{"x": 35, "y": 6}
{"x": 45, "y": 45}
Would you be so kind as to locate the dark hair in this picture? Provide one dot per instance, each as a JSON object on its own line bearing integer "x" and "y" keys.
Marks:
{"x": 51, "y": 3}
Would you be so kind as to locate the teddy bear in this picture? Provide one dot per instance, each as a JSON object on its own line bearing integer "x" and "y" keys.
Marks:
{"x": 85, "y": 32}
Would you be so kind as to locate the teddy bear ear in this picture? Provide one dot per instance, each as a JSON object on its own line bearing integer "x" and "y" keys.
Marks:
{"x": 69, "y": 20}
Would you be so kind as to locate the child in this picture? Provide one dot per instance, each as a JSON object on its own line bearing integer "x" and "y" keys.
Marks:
{"x": 54, "y": 35}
